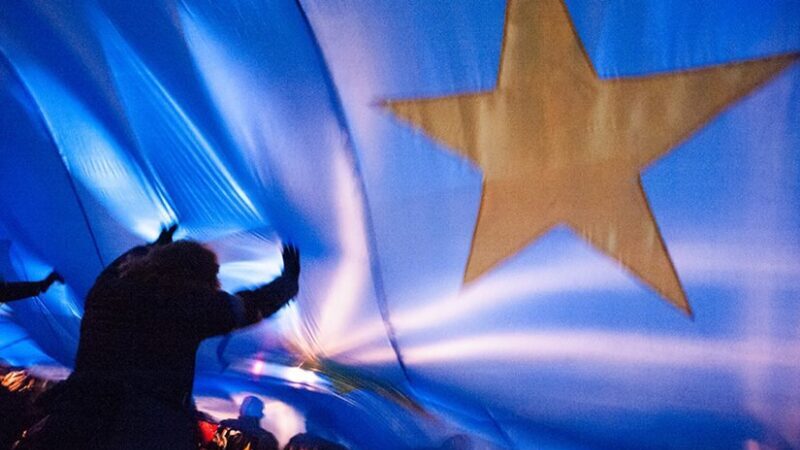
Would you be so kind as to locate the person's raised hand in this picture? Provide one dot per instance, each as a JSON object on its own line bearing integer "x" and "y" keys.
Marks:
{"x": 291, "y": 261}
{"x": 286, "y": 284}
{"x": 166, "y": 235}
{"x": 53, "y": 277}
{"x": 272, "y": 296}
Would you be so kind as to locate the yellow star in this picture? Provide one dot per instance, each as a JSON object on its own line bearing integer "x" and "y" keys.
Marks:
{"x": 559, "y": 145}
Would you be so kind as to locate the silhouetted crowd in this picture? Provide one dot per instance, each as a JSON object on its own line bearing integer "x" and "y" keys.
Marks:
{"x": 131, "y": 388}
{"x": 144, "y": 319}
{"x": 245, "y": 433}
{"x": 20, "y": 393}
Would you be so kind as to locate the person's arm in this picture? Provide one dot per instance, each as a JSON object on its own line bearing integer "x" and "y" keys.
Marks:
{"x": 221, "y": 312}
{"x": 264, "y": 301}
{"x": 22, "y": 289}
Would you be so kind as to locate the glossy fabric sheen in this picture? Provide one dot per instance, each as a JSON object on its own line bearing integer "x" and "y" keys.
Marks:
{"x": 256, "y": 122}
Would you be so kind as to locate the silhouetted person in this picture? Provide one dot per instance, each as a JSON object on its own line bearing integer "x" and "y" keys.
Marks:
{"x": 306, "y": 441}
{"x": 16, "y": 290}
{"x": 245, "y": 432}
{"x": 144, "y": 319}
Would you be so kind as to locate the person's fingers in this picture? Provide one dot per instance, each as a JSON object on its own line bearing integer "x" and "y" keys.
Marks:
{"x": 51, "y": 278}
{"x": 291, "y": 259}
{"x": 165, "y": 237}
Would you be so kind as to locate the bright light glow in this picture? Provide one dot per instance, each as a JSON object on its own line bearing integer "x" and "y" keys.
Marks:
{"x": 515, "y": 286}
{"x": 239, "y": 275}
{"x": 602, "y": 348}
{"x": 496, "y": 291}
{"x": 300, "y": 376}
{"x": 295, "y": 376}
{"x": 699, "y": 262}
{"x": 338, "y": 308}
{"x": 293, "y": 326}
{"x": 258, "y": 368}
{"x": 280, "y": 419}
{"x": 719, "y": 262}
{"x": 252, "y": 110}
{"x": 94, "y": 157}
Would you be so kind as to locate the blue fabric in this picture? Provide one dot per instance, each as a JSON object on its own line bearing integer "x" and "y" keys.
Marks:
{"x": 252, "y": 123}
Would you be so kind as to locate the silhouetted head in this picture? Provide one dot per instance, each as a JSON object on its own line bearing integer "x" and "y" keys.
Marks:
{"x": 177, "y": 263}
{"x": 251, "y": 407}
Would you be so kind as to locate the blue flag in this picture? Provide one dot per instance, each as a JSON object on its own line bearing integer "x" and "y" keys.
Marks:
{"x": 527, "y": 224}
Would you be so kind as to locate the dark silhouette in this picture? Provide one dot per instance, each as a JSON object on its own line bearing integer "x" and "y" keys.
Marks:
{"x": 306, "y": 441}
{"x": 18, "y": 391}
{"x": 144, "y": 319}
{"x": 245, "y": 432}
{"x": 16, "y": 290}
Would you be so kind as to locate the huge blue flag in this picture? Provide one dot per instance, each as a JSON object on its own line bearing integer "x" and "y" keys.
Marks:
{"x": 535, "y": 223}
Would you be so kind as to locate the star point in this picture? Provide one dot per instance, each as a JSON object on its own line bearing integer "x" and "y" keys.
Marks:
{"x": 556, "y": 144}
